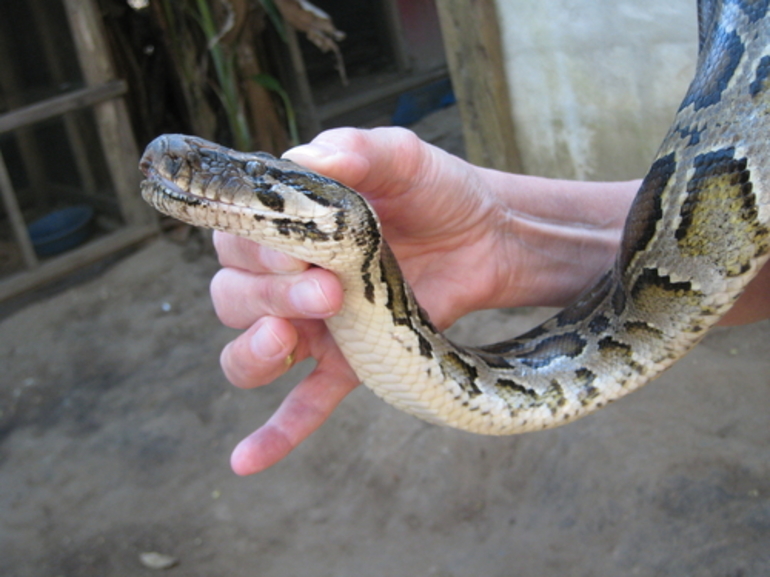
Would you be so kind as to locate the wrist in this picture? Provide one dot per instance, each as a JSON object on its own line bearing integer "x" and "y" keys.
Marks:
{"x": 556, "y": 237}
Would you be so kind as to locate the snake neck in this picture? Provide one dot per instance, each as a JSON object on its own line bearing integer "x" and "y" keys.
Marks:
{"x": 379, "y": 292}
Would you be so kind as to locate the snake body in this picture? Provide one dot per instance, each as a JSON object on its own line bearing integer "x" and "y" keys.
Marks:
{"x": 697, "y": 233}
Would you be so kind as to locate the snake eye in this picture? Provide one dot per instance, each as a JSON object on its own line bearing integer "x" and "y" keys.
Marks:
{"x": 254, "y": 169}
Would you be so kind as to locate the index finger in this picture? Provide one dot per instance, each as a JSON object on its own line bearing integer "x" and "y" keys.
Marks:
{"x": 302, "y": 412}
{"x": 242, "y": 253}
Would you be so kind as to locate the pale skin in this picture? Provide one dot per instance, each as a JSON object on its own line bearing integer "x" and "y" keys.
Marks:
{"x": 524, "y": 241}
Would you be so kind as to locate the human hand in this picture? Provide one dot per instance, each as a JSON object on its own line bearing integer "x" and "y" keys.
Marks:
{"x": 465, "y": 237}
{"x": 260, "y": 290}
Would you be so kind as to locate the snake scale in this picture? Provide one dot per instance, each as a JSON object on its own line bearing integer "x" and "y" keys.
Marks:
{"x": 696, "y": 234}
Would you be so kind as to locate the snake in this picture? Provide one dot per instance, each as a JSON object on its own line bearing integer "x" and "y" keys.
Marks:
{"x": 697, "y": 232}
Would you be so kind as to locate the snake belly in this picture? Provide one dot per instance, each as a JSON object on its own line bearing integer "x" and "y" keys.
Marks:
{"x": 696, "y": 234}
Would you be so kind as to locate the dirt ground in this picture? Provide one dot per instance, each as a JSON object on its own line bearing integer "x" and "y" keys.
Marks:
{"x": 116, "y": 426}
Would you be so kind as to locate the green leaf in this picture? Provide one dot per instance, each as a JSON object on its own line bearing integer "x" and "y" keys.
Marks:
{"x": 275, "y": 17}
{"x": 271, "y": 83}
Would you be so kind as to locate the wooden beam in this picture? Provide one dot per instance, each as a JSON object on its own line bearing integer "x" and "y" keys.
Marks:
{"x": 61, "y": 104}
{"x": 474, "y": 52}
{"x": 64, "y": 264}
{"x": 388, "y": 89}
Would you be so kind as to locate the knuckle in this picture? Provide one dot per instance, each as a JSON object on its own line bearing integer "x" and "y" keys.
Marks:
{"x": 227, "y": 296}
{"x": 269, "y": 296}
{"x": 218, "y": 291}
{"x": 218, "y": 285}
{"x": 244, "y": 370}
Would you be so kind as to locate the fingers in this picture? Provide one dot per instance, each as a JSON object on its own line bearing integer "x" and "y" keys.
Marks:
{"x": 403, "y": 177}
{"x": 259, "y": 290}
{"x": 237, "y": 252}
{"x": 261, "y": 354}
{"x": 241, "y": 298}
{"x": 300, "y": 414}
{"x": 370, "y": 160}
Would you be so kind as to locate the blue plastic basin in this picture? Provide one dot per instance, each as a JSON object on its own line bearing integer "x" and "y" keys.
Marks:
{"x": 61, "y": 230}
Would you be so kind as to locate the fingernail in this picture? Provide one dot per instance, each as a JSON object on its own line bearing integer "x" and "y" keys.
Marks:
{"x": 266, "y": 344}
{"x": 313, "y": 150}
{"x": 309, "y": 299}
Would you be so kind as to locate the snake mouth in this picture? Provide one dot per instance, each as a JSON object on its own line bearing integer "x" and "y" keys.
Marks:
{"x": 163, "y": 164}
{"x": 177, "y": 202}
{"x": 168, "y": 173}
{"x": 155, "y": 187}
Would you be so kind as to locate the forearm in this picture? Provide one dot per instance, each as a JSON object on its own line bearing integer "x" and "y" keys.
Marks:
{"x": 564, "y": 234}
{"x": 571, "y": 231}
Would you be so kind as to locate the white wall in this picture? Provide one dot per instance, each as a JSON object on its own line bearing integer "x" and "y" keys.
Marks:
{"x": 595, "y": 83}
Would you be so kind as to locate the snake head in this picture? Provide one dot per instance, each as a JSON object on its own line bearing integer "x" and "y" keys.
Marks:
{"x": 255, "y": 195}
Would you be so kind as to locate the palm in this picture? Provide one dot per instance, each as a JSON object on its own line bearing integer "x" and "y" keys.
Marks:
{"x": 437, "y": 220}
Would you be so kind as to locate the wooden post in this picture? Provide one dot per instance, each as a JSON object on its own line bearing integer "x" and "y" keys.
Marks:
{"x": 45, "y": 22}
{"x": 111, "y": 116}
{"x": 474, "y": 52}
{"x": 305, "y": 108}
{"x": 16, "y": 218}
{"x": 396, "y": 35}
{"x": 31, "y": 158}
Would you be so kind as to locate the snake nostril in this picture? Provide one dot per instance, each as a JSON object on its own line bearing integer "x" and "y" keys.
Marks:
{"x": 150, "y": 156}
{"x": 145, "y": 164}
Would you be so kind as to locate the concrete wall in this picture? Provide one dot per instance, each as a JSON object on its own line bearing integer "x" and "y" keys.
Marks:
{"x": 594, "y": 84}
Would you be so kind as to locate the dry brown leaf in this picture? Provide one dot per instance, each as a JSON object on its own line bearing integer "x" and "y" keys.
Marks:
{"x": 317, "y": 26}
